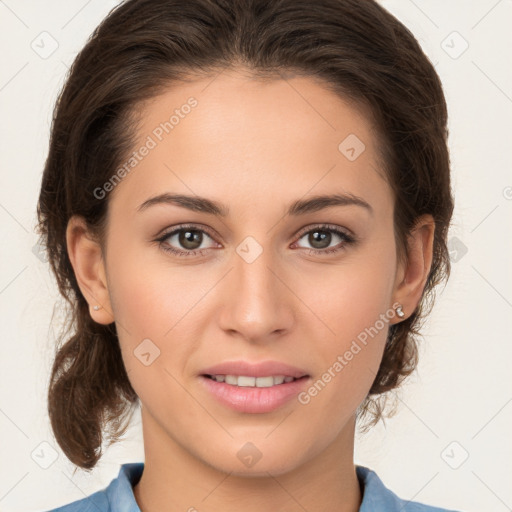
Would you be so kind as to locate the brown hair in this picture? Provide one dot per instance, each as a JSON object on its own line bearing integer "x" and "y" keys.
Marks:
{"x": 355, "y": 47}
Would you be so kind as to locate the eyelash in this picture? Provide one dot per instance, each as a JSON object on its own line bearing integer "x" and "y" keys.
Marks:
{"x": 347, "y": 240}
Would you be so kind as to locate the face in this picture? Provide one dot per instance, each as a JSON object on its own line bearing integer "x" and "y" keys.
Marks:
{"x": 310, "y": 285}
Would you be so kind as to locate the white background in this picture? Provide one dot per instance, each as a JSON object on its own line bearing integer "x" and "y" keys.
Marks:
{"x": 462, "y": 391}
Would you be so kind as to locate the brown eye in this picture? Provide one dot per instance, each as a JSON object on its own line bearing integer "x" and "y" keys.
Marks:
{"x": 185, "y": 241}
{"x": 320, "y": 239}
{"x": 190, "y": 239}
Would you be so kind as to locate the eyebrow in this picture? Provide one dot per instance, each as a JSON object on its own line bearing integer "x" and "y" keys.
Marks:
{"x": 299, "y": 207}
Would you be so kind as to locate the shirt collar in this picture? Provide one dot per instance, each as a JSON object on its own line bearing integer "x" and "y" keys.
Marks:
{"x": 120, "y": 491}
{"x": 376, "y": 496}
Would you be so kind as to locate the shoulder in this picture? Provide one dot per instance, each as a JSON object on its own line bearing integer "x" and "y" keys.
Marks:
{"x": 116, "y": 497}
{"x": 378, "y": 498}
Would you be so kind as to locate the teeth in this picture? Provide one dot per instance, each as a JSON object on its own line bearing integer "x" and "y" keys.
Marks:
{"x": 247, "y": 381}
{"x": 280, "y": 379}
{"x": 231, "y": 379}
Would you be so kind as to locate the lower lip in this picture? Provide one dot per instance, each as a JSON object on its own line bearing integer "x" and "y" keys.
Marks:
{"x": 253, "y": 399}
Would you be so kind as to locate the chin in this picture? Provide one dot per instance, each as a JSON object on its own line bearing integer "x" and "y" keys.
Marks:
{"x": 248, "y": 461}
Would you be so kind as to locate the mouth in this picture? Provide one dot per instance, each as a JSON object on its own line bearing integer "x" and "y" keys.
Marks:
{"x": 253, "y": 387}
{"x": 249, "y": 381}
{"x": 251, "y": 394}
{"x": 253, "y": 374}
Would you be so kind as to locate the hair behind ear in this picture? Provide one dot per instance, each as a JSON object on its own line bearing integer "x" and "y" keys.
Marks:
{"x": 89, "y": 391}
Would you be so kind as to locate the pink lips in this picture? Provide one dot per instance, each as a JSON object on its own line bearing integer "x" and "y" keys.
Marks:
{"x": 264, "y": 369}
{"x": 254, "y": 399}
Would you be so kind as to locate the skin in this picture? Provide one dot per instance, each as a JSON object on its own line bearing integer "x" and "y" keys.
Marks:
{"x": 255, "y": 147}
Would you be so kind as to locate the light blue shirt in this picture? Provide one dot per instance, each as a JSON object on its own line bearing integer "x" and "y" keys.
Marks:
{"x": 118, "y": 496}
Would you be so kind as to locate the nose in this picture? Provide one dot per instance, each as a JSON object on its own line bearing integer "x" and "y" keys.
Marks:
{"x": 257, "y": 303}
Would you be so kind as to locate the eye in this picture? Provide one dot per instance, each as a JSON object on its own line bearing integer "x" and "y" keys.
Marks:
{"x": 189, "y": 240}
{"x": 321, "y": 237}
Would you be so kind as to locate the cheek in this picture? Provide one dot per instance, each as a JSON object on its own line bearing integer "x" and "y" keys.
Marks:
{"x": 353, "y": 303}
{"x": 148, "y": 294}
{"x": 163, "y": 302}
{"x": 350, "y": 298}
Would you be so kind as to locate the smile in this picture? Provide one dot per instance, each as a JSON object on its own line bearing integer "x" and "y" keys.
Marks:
{"x": 249, "y": 381}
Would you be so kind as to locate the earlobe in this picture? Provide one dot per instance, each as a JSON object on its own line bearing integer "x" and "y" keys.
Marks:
{"x": 86, "y": 257}
{"x": 414, "y": 272}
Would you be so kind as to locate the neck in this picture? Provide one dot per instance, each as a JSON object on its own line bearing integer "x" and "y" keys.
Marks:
{"x": 175, "y": 480}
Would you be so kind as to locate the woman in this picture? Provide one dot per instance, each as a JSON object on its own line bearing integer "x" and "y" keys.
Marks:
{"x": 246, "y": 204}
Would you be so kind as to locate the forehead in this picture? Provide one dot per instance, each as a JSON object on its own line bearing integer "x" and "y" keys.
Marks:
{"x": 229, "y": 134}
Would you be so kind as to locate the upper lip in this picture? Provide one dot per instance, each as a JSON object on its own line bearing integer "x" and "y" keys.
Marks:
{"x": 261, "y": 369}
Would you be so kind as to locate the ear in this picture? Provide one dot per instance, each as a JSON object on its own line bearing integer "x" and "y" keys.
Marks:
{"x": 412, "y": 274}
{"x": 86, "y": 257}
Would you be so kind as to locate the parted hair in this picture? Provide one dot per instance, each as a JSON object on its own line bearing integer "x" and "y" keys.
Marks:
{"x": 356, "y": 47}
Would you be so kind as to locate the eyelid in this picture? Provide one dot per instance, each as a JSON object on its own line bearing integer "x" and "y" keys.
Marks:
{"x": 201, "y": 227}
{"x": 334, "y": 227}
{"x": 196, "y": 227}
